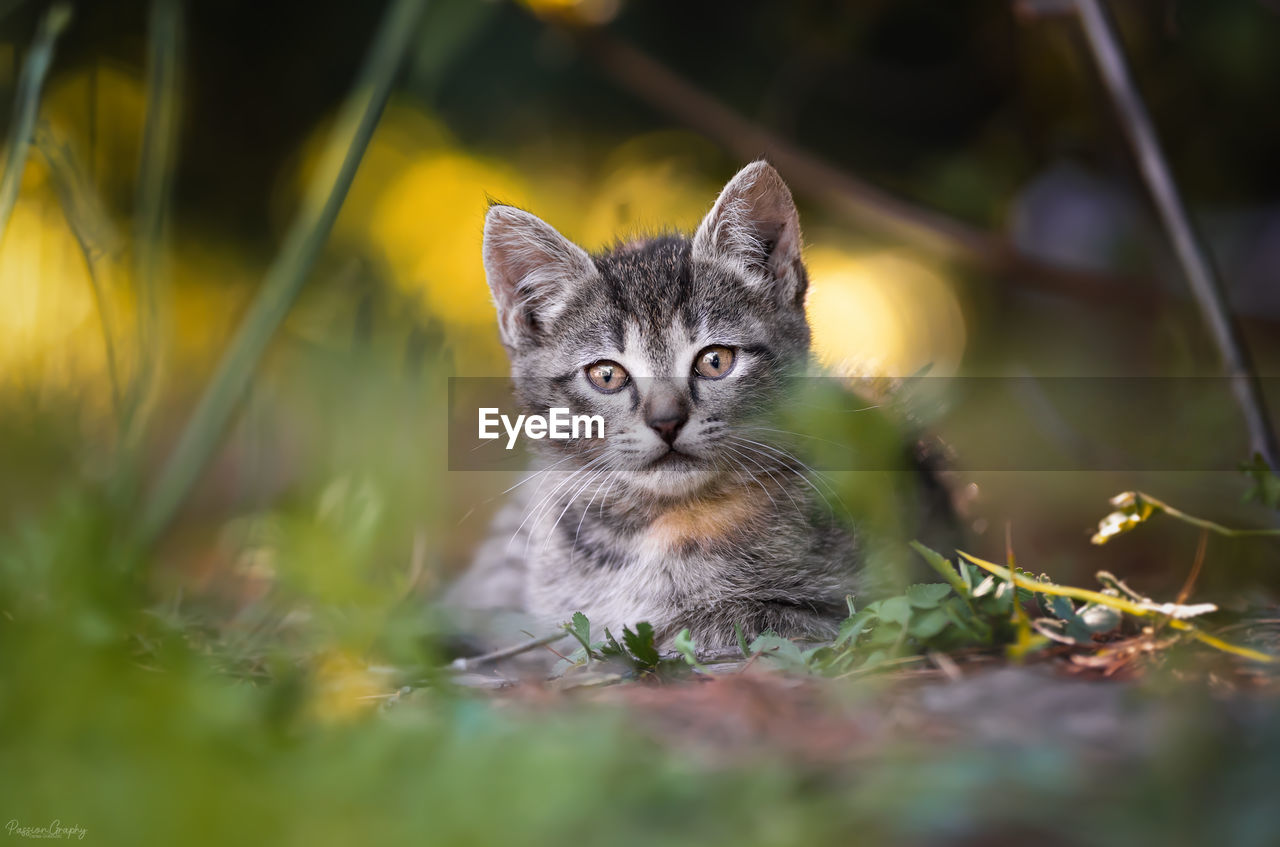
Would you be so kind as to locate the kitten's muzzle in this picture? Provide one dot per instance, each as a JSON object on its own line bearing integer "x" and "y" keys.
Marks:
{"x": 667, "y": 417}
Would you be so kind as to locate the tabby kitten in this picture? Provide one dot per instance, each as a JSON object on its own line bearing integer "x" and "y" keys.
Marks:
{"x": 684, "y": 514}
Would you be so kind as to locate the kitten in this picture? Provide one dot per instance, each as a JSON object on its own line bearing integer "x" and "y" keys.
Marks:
{"x": 682, "y": 515}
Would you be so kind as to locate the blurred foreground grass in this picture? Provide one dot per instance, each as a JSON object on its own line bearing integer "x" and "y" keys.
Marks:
{"x": 141, "y": 726}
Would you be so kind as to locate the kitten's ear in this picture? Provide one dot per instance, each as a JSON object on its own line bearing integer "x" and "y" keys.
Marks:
{"x": 532, "y": 271}
{"x": 754, "y": 223}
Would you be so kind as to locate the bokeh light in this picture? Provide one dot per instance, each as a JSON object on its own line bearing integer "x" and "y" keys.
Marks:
{"x": 882, "y": 314}
{"x": 50, "y": 335}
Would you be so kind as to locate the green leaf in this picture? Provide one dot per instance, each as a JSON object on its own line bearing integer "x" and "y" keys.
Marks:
{"x": 966, "y": 621}
{"x": 885, "y": 634}
{"x": 831, "y": 661}
{"x": 639, "y": 644}
{"x": 927, "y": 595}
{"x": 612, "y": 647}
{"x": 1075, "y": 629}
{"x": 1054, "y": 605}
{"x": 580, "y": 627}
{"x": 1266, "y": 485}
{"x": 1100, "y": 618}
{"x": 895, "y": 610}
{"x": 1061, "y": 607}
{"x": 1025, "y": 595}
{"x": 928, "y": 624}
{"x": 686, "y": 648}
{"x": 781, "y": 649}
{"x": 997, "y": 603}
{"x": 742, "y": 640}
{"x": 825, "y": 659}
{"x": 875, "y": 659}
{"x": 944, "y": 568}
{"x": 853, "y": 627}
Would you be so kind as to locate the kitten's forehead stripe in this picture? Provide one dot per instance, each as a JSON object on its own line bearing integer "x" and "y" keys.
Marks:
{"x": 616, "y": 333}
{"x": 650, "y": 281}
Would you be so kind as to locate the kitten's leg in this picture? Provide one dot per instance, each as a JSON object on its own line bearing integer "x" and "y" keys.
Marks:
{"x": 715, "y": 627}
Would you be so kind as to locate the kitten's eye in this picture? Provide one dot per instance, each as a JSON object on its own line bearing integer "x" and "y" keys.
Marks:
{"x": 607, "y": 376}
{"x": 714, "y": 362}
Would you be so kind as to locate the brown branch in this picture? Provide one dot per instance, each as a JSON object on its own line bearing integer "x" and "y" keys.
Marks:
{"x": 1197, "y": 263}
{"x": 467, "y": 663}
{"x": 1189, "y": 585}
{"x": 842, "y": 193}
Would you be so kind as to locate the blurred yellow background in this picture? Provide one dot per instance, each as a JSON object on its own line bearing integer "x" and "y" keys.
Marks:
{"x": 414, "y": 214}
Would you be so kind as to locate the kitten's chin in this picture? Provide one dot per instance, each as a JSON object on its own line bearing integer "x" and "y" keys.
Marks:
{"x": 673, "y": 480}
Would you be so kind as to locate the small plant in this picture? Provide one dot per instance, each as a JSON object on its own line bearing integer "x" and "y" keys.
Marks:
{"x": 637, "y": 647}
{"x": 970, "y": 609}
{"x": 1134, "y": 507}
{"x": 978, "y": 605}
{"x": 982, "y": 604}
{"x": 1264, "y": 484}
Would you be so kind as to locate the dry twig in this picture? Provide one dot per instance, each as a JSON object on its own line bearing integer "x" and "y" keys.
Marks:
{"x": 1195, "y": 259}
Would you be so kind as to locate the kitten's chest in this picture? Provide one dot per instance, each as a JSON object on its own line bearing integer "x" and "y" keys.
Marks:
{"x": 647, "y": 579}
{"x": 694, "y": 541}
{"x": 686, "y": 558}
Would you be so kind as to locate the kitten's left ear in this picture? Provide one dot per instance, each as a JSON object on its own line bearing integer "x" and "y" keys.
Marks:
{"x": 754, "y": 224}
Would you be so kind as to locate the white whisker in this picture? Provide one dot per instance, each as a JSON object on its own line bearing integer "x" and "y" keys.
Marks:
{"x": 585, "y": 509}
{"x": 537, "y": 473}
{"x": 803, "y": 471}
{"x": 541, "y": 504}
{"x": 766, "y": 471}
{"x": 576, "y": 494}
{"x": 612, "y": 482}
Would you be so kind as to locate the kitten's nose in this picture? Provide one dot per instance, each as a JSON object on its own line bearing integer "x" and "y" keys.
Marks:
{"x": 666, "y": 417}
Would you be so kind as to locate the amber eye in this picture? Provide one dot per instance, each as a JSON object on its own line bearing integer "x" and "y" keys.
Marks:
{"x": 607, "y": 376}
{"x": 713, "y": 362}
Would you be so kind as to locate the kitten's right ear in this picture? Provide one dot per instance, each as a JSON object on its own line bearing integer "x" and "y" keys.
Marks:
{"x": 532, "y": 271}
{"x": 754, "y": 224}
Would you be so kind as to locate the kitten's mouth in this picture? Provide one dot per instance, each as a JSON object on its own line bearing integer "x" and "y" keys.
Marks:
{"x": 673, "y": 458}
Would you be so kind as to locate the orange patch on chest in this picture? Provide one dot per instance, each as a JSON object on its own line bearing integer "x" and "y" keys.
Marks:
{"x": 705, "y": 521}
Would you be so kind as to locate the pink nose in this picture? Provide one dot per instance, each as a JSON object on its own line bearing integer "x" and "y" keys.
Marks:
{"x": 668, "y": 428}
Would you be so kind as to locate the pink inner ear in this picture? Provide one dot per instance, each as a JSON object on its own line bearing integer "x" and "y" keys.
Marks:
{"x": 755, "y": 222}
{"x": 530, "y": 267}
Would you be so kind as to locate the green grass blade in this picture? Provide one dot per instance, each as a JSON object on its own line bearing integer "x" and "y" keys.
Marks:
{"x": 284, "y": 279}
{"x": 940, "y": 564}
{"x": 151, "y": 203}
{"x": 30, "y": 83}
{"x": 100, "y": 244}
